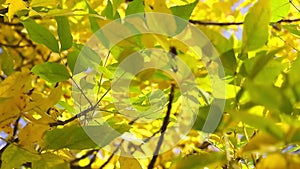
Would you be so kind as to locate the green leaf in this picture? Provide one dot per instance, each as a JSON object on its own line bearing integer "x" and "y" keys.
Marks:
{"x": 50, "y": 161}
{"x": 279, "y": 9}
{"x": 14, "y": 157}
{"x": 79, "y": 138}
{"x": 136, "y": 6}
{"x": 40, "y": 34}
{"x": 295, "y": 138}
{"x": 264, "y": 68}
{"x": 96, "y": 28}
{"x": 224, "y": 48}
{"x": 184, "y": 11}
{"x": 87, "y": 58}
{"x": 107, "y": 73}
{"x": 293, "y": 74}
{"x": 255, "y": 33}
{"x": 270, "y": 96}
{"x": 259, "y": 122}
{"x": 109, "y": 12}
{"x": 64, "y": 32}
{"x": 43, "y": 3}
{"x": 199, "y": 161}
{"x": 7, "y": 62}
{"x": 72, "y": 58}
{"x": 293, "y": 29}
{"x": 208, "y": 117}
{"x": 52, "y": 72}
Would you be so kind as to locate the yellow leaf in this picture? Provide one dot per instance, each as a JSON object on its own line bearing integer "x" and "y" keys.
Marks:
{"x": 14, "y": 7}
{"x": 43, "y": 3}
{"x": 13, "y": 96}
{"x": 31, "y": 134}
{"x": 44, "y": 103}
{"x": 127, "y": 161}
{"x": 273, "y": 161}
{"x": 262, "y": 142}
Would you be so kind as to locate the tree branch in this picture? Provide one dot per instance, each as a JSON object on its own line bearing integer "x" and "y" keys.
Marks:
{"x": 291, "y": 2}
{"x": 14, "y": 46}
{"x": 84, "y": 112}
{"x": 163, "y": 128}
{"x": 212, "y": 23}
{"x": 112, "y": 155}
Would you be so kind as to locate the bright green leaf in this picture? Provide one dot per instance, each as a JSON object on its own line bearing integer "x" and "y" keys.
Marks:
{"x": 279, "y": 9}
{"x": 270, "y": 96}
{"x": 293, "y": 74}
{"x": 256, "y": 22}
{"x": 64, "y": 32}
{"x": 107, "y": 73}
{"x": 52, "y": 72}
{"x": 294, "y": 29}
{"x": 40, "y": 34}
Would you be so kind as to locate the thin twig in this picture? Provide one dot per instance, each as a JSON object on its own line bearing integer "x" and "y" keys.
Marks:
{"x": 14, "y": 46}
{"x": 291, "y": 2}
{"x": 112, "y": 155}
{"x": 82, "y": 113}
{"x": 84, "y": 156}
{"x": 212, "y": 23}
{"x": 81, "y": 91}
{"x": 104, "y": 64}
{"x": 163, "y": 128}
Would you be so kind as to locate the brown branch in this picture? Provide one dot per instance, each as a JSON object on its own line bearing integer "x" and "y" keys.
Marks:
{"x": 3, "y": 11}
{"x": 84, "y": 156}
{"x": 206, "y": 23}
{"x": 112, "y": 155}
{"x": 14, "y": 46}
{"x": 288, "y": 20}
{"x": 11, "y": 24}
{"x": 212, "y": 23}
{"x": 291, "y": 2}
{"x": 163, "y": 128}
{"x": 84, "y": 112}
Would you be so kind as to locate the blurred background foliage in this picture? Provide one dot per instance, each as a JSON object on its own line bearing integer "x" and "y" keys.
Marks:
{"x": 258, "y": 44}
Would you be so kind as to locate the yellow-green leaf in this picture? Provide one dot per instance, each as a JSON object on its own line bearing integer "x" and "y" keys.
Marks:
{"x": 15, "y": 6}
{"x": 280, "y": 9}
{"x": 256, "y": 22}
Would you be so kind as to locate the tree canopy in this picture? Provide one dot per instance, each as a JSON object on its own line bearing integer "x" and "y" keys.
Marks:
{"x": 149, "y": 84}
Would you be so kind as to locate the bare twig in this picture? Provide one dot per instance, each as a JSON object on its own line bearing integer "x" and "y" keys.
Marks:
{"x": 112, "y": 155}
{"x": 213, "y": 23}
{"x": 14, "y": 46}
{"x": 163, "y": 128}
{"x": 90, "y": 152}
{"x": 82, "y": 113}
{"x": 291, "y": 2}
